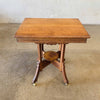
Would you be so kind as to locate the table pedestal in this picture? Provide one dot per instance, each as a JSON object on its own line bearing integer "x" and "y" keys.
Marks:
{"x": 50, "y": 58}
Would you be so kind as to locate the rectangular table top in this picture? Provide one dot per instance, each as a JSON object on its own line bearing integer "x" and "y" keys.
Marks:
{"x": 52, "y": 30}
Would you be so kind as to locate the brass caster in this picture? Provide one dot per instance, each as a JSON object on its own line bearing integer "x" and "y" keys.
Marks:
{"x": 34, "y": 84}
{"x": 66, "y": 84}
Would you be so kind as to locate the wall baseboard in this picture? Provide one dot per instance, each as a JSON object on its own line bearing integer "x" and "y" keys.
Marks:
{"x": 84, "y": 20}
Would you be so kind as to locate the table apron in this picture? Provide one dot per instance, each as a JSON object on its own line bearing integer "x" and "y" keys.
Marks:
{"x": 53, "y": 41}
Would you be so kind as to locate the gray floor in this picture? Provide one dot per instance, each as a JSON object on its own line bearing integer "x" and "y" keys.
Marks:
{"x": 18, "y": 64}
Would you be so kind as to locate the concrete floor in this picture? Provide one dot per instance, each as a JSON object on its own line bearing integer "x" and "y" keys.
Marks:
{"x": 18, "y": 64}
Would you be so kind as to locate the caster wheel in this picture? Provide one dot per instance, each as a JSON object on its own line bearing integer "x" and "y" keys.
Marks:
{"x": 66, "y": 84}
{"x": 34, "y": 84}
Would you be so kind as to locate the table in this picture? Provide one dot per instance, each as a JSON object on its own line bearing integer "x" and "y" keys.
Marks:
{"x": 51, "y": 31}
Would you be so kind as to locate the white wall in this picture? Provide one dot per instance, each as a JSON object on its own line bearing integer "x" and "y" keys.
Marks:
{"x": 14, "y": 11}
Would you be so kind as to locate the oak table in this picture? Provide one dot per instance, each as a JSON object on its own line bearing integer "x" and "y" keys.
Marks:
{"x": 51, "y": 31}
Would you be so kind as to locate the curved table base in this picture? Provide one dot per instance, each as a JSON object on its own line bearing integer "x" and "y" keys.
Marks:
{"x": 43, "y": 63}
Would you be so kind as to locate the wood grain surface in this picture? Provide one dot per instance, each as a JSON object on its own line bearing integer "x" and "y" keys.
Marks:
{"x": 51, "y": 55}
{"x": 44, "y": 29}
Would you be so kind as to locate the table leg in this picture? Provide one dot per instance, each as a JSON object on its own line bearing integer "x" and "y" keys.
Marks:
{"x": 62, "y": 64}
{"x": 43, "y": 63}
{"x": 38, "y": 63}
{"x": 60, "y": 46}
{"x": 42, "y": 49}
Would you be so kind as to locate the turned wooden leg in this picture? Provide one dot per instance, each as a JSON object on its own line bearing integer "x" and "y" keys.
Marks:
{"x": 60, "y": 46}
{"x": 62, "y": 65}
{"x": 38, "y": 64}
{"x": 36, "y": 74}
{"x": 42, "y": 49}
{"x": 64, "y": 75}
